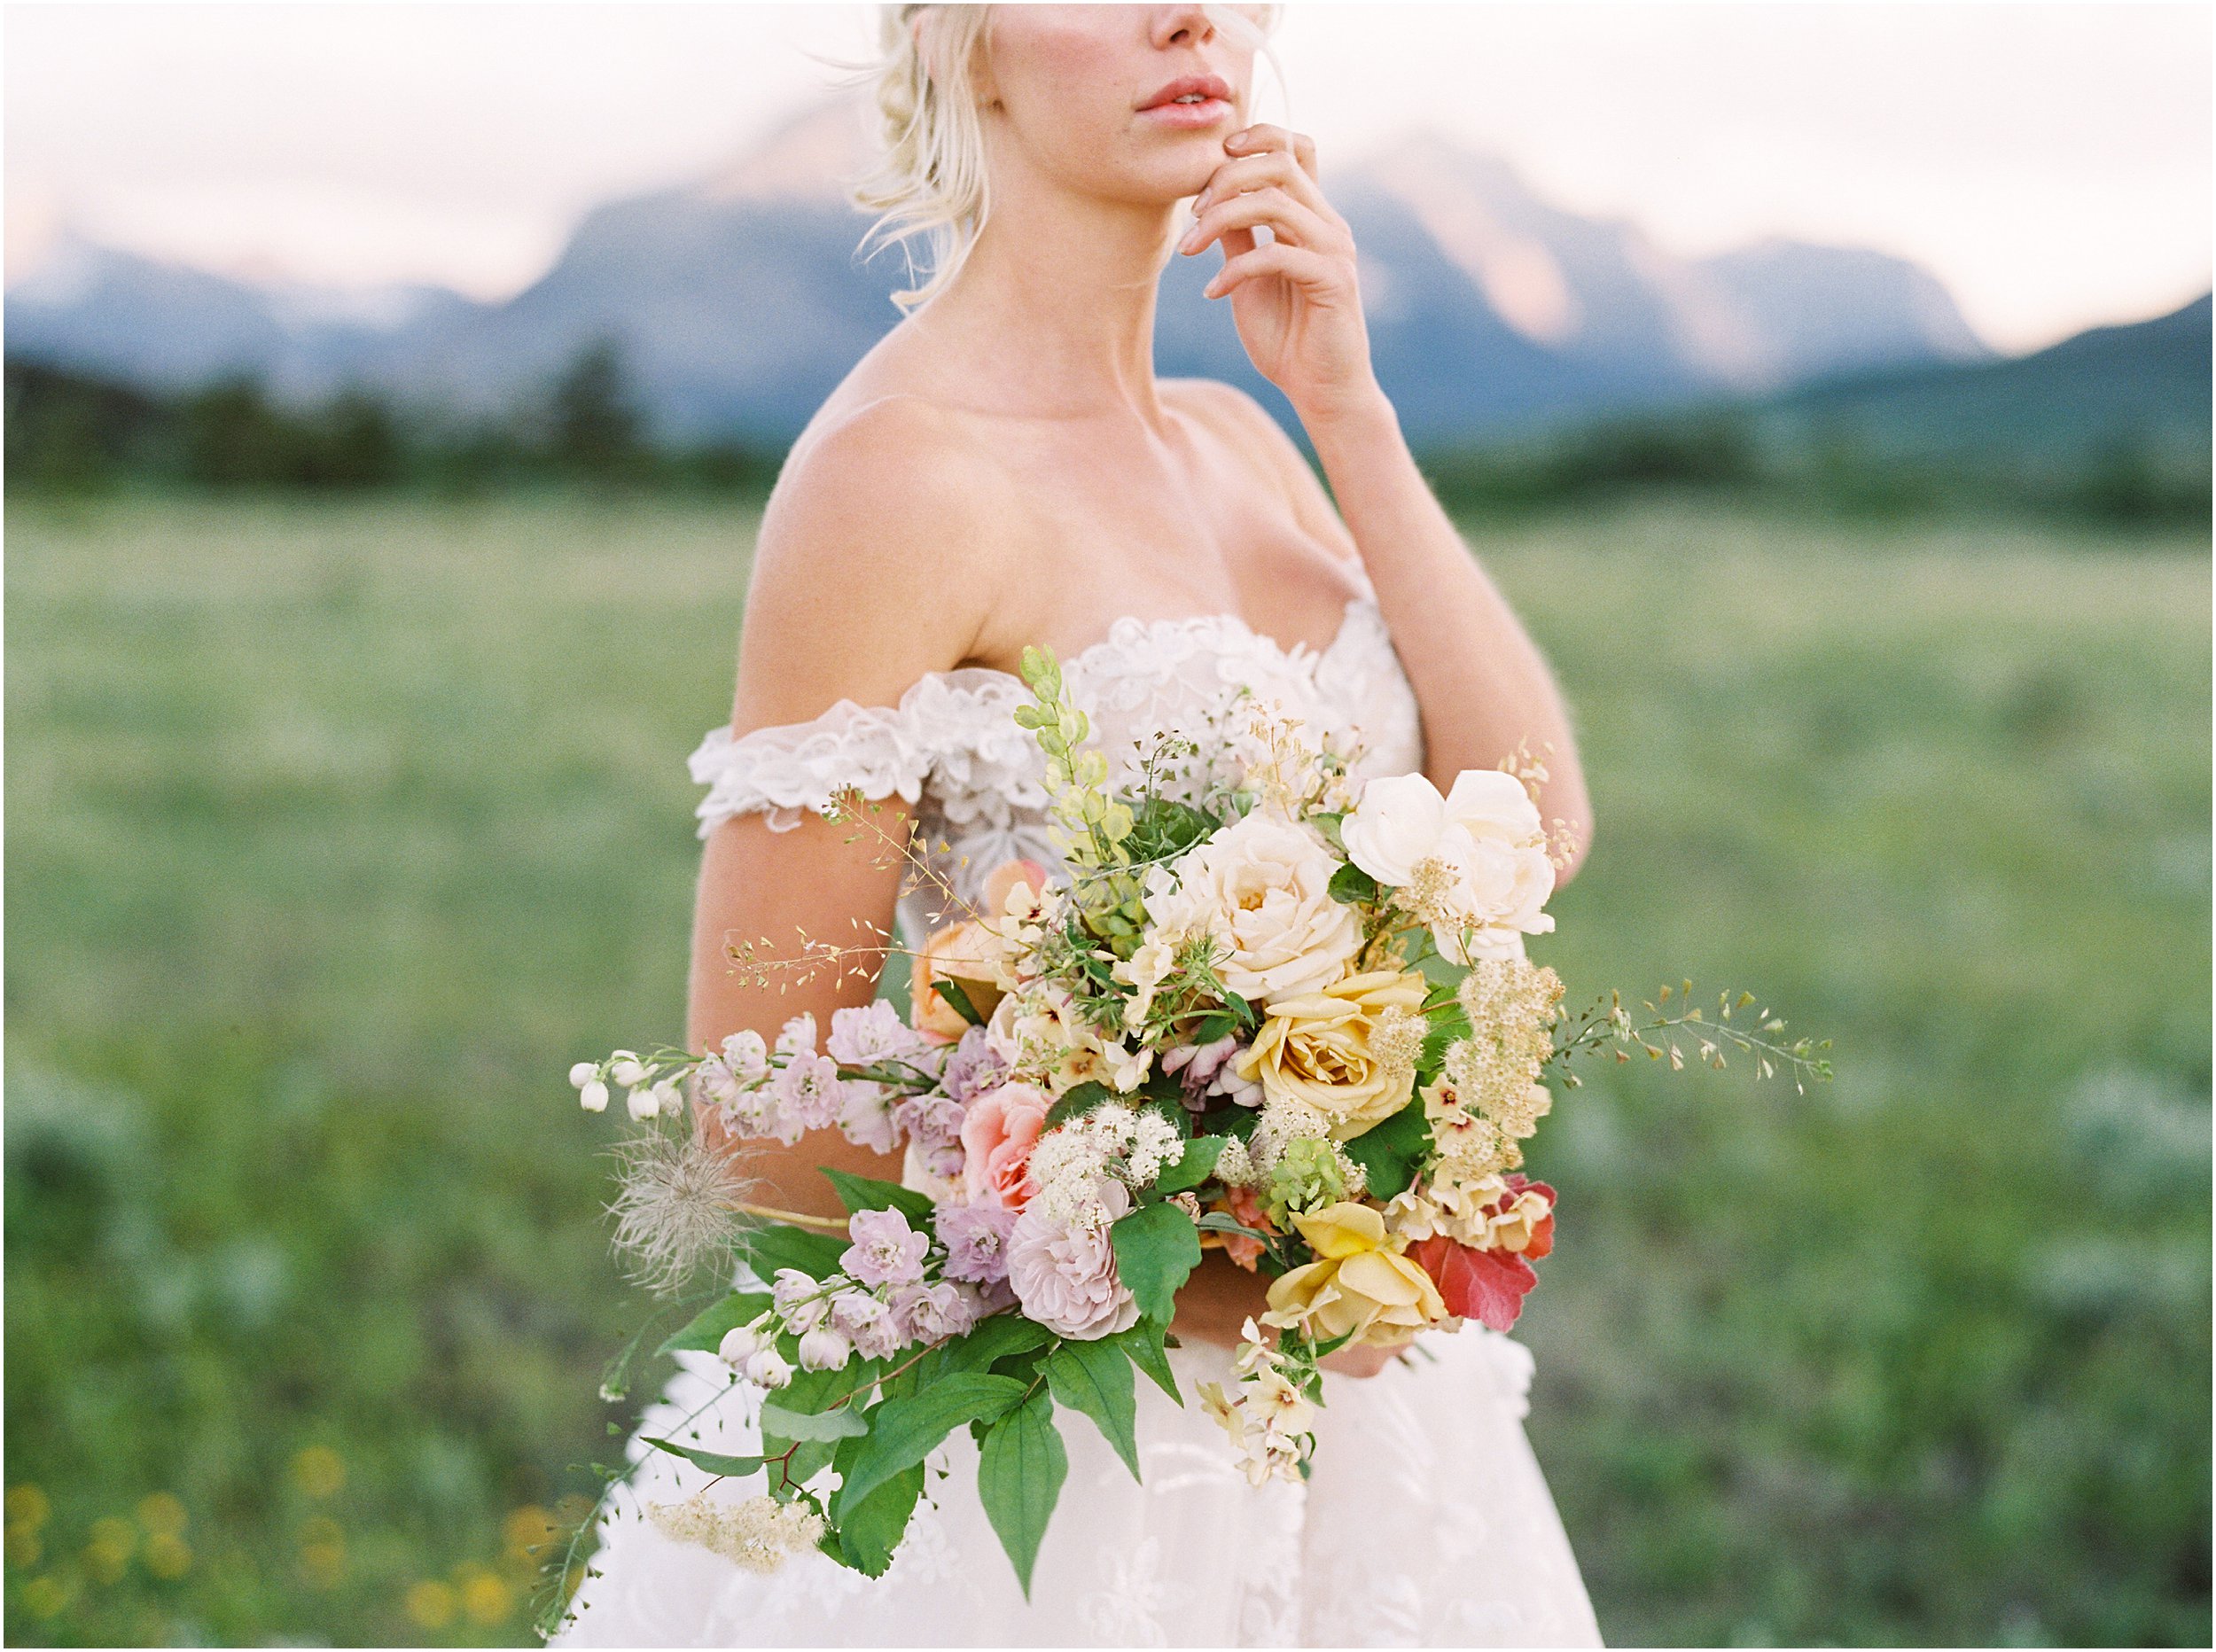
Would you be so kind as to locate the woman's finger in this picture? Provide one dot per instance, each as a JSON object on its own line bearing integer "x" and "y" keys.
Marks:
{"x": 1298, "y": 264}
{"x": 1261, "y": 136}
{"x": 1286, "y": 219}
{"x": 1271, "y": 169}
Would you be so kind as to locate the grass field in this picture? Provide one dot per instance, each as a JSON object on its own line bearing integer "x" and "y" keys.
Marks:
{"x": 337, "y": 831}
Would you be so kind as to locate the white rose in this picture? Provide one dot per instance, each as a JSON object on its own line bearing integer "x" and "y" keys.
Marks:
{"x": 1507, "y": 874}
{"x": 1397, "y": 824}
{"x": 1262, "y": 887}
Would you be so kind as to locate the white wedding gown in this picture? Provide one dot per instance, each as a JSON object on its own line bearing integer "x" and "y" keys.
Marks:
{"x": 1426, "y": 1522}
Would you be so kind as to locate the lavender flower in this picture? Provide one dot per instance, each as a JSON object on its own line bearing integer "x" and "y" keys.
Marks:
{"x": 866, "y": 1117}
{"x": 886, "y": 1250}
{"x": 976, "y": 1237}
{"x": 930, "y": 1313}
{"x": 872, "y": 1033}
{"x": 973, "y": 1068}
{"x": 868, "y": 1323}
{"x": 808, "y": 1090}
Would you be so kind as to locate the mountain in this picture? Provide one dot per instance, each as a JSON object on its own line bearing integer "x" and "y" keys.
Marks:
{"x": 2144, "y": 386}
{"x": 738, "y": 302}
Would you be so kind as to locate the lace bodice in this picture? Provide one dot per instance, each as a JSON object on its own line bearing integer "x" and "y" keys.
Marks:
{"x": 952, "y": 748}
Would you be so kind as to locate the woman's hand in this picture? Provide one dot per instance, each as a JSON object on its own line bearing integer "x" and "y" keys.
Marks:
{"x": 1295, "y": 300}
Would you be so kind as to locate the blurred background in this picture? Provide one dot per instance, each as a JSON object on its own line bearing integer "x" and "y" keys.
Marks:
{"x": 391, "y": 393}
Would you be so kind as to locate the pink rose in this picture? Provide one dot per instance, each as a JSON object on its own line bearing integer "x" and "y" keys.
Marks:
{"x": 1065, "y": 1277}
{"x": 998, "y": 1134}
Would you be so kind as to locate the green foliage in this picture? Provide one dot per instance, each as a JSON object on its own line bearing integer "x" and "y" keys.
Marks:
{"x": 714, "y": 1462}
{"x": 866, "y": 1193}
{"x": 340, "y": 828}
{"x": 904, "y": 1432}
{"x": 783, "y": 1422}
{"x": 705, "y": 1331}
{"x": 1194, "y": 1166}
{"x": 1389, "y": 1151}
{"x": 1003, "y": 1335}
{"x": 1351, "y": 886}
{"x": 956, "y": 993}
{"x": 1157, "y": 1248}
{"x": 1143, "y": 1346}
{"x": 1096, "y": 1379}
{"x": 768, "y": 1246}
{"x": 1021, "y": 1465}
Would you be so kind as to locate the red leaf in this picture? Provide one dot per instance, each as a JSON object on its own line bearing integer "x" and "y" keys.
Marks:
{"x": 1488, "y": 1286}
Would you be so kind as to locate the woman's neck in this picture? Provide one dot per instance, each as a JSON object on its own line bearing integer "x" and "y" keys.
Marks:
{"x": 1057, "y": 297}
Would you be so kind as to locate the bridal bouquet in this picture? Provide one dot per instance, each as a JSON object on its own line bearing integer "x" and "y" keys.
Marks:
{"x": 1277, "y": 1012}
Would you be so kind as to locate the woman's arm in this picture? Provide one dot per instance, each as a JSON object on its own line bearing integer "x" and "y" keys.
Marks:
{"x": 1482, "y": 684}
{"x": 872, "y": 569}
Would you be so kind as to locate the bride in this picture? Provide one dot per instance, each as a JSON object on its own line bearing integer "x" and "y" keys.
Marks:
{"x": 1004, "y": 468}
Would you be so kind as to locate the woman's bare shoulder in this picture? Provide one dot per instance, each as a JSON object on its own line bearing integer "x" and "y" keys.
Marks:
{"x": 880, "y": 556}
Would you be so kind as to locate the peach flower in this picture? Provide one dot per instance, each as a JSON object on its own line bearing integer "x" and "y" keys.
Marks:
{"x": 969, "y": 952}
{"x": 998, "y": 1133}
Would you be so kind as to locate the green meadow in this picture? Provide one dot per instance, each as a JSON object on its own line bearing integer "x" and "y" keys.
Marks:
{"x": 337, "y": 831}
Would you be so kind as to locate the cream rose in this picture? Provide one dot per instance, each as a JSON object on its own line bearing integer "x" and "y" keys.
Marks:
{"x": 1343, "y": 1051}
{"x": 1262, "y": 887}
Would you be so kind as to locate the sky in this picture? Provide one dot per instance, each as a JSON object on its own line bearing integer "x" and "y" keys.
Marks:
{"x": 2049, "y": 163}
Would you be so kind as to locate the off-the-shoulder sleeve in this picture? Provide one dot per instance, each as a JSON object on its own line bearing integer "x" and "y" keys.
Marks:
{"x": 954, "y": 731}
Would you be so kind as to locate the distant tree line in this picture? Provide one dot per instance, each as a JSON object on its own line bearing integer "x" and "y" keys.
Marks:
{"x": 69, "y": 431}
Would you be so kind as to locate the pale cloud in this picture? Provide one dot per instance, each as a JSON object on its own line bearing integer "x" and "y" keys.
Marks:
{"x": 2050, "y": 162}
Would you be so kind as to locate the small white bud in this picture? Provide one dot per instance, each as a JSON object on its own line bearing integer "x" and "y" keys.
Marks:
{"x": 626, "y": 1068}
{"x": 823, "y": 1349}
{"x": 739, "y": 1344}
{"x": 767, "y": 1367}
{"x": 594, "y": 1096}
{"x": 583, "y": 1073}
{"x": 644, "y": 1103}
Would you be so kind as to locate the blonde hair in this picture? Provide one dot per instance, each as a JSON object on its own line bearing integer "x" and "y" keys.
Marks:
{"x": 929, "y": 185}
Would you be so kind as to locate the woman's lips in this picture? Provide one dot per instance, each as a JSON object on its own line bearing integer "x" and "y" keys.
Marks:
{"x": 1210, "y": 101}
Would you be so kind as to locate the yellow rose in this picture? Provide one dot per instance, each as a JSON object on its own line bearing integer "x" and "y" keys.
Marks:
{"x": 1349, "y": 1051}
{"x": 966, "y": 950}
{"x": 1359, "y": 1285}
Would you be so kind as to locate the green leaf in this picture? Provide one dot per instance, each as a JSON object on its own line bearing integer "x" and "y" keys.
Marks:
{"x": 1020, "y": 1468}
{"x": 1095, "y": 1379}
{"x": 773, "y": 1245}
{"x": 1142, "y": 1345}
{"x": 1217, "y": 1222}
{"x": 1197, "y": 1164}
{"x": 1390, "y": 1152}
{"x": 956, "y": 992}
{"x": 714, "y": 1462}
{"x": 704, "y": 1330}
{"x": 993, "y": 1339}
{"x": 904, "y": 1432}
{"x": 1213, "y": 1027}
{"x": 1329, "y": 821}
{"x": 1447, "y": 1024}
{"x": 1157, "y": 1248}
{"x": 1077, "y": 1099}
{"x": 812, "y": 1425}
{"x": 867, "y": 1534}
{"x": 862, "y": 1192}
{"x": 1351, "y": 886}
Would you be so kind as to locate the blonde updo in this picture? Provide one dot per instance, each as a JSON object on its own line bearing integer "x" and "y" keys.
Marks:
{"x": 929, "y": 184}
